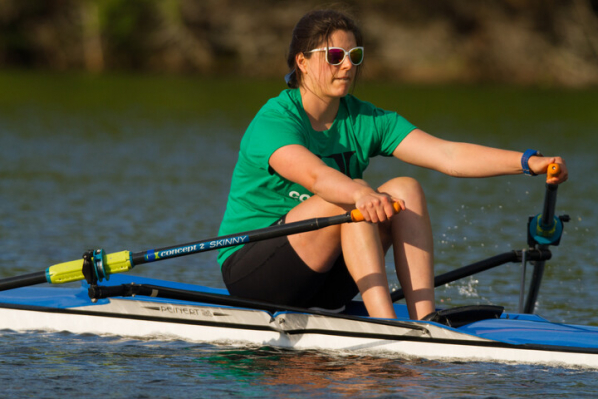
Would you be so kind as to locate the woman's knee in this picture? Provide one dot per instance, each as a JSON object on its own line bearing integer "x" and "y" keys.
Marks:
{"x": 405, "y": 188}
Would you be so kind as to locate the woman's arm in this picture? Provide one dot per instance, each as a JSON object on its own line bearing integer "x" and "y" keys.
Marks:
{"x": 469, "y": 160}
{"x": 297, "y": 164}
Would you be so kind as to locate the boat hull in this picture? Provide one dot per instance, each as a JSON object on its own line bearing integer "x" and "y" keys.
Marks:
{"x": 518, "y": 338}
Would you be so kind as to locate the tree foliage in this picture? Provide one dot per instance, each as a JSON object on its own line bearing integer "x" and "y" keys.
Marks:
{"x": 521, "y": 41}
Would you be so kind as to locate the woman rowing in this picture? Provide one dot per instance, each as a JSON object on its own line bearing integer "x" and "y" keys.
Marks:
{"x": 303, "y": 156}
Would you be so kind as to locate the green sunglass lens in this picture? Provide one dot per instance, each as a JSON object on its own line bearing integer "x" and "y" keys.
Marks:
{"x": 356, "y": 56}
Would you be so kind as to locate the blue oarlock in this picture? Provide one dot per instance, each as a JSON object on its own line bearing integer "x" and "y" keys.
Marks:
{"x": 99, "y": 260}
{"x": 546, "y": 233}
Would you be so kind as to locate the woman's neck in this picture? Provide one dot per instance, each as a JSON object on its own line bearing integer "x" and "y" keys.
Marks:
{"x": 320, "y": 110}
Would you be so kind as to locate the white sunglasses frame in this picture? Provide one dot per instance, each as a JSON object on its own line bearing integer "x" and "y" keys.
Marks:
{"x": 344, "y": 56}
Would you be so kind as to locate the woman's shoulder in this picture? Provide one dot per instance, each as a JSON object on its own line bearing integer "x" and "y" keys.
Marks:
{"x": 283, "y": 110}
{"x": 357, "y": 106}
{"x": 366, "y": 113}
{"x": 288, "y": 100}
{"x": 280, "y": 116}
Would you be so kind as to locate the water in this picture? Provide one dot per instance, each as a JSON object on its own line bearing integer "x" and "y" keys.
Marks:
{"x": 139, "y": 162}
{"x": 60, "y": 365}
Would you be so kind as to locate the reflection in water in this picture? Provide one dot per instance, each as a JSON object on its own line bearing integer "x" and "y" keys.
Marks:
{"x": 58, "y": 365}
{"x": 346, "y": 374}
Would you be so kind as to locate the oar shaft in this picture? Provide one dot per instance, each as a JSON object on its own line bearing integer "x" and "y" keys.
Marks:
{"x": 22, "y": 281}
{"x": 251, "y": 236}
{"x": 99, "y": 265}
{"x": 238, "y": 239}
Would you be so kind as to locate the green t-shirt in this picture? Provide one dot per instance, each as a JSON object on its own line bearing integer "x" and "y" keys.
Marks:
{"x": 259, "y": 196}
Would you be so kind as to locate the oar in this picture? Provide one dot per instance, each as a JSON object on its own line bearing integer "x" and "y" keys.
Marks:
{"x": 96, "y": 265}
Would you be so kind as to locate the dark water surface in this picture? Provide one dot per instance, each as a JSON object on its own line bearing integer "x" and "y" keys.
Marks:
{"x": 139, "y": 162}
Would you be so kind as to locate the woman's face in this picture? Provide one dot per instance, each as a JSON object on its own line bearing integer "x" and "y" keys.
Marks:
{"x": 325, "y": 80}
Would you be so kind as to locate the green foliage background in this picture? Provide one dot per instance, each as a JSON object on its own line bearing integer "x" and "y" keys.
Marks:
{"x": 532, "y": 42}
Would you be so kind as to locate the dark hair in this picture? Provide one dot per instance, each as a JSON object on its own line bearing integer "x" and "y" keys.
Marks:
{"x": 314, "y": 28}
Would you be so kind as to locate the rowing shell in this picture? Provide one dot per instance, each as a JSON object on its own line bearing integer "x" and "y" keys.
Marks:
{"x": 510, "y": 338}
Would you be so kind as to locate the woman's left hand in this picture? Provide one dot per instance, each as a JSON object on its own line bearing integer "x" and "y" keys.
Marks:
{"x": 539, "y": 165}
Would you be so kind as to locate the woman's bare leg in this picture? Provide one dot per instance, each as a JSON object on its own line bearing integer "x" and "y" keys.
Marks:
{"x": 364, "y": 258}
{"x": 410, "y": 234}
{"x": 319, "y": 249}
{"x": 361, "y": 247}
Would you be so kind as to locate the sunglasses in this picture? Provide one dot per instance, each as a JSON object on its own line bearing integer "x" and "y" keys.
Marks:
{"x": 336, "y": 55}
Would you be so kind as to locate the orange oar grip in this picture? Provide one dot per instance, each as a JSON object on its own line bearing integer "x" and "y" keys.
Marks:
{"x": 554, "y": 169}
{"x": 356, "y": 215}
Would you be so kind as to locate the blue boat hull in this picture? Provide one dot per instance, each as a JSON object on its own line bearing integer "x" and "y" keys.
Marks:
{"x": 512, "y": 337}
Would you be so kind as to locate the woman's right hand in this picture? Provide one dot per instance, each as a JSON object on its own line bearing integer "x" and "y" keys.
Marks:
{"x": 376, "y": 207}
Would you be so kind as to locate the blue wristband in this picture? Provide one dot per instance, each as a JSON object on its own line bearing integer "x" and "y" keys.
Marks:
{"x": 525, "y": 160}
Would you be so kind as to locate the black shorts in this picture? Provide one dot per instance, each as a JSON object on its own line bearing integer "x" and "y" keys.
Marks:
{"x": 271, "y": 271}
